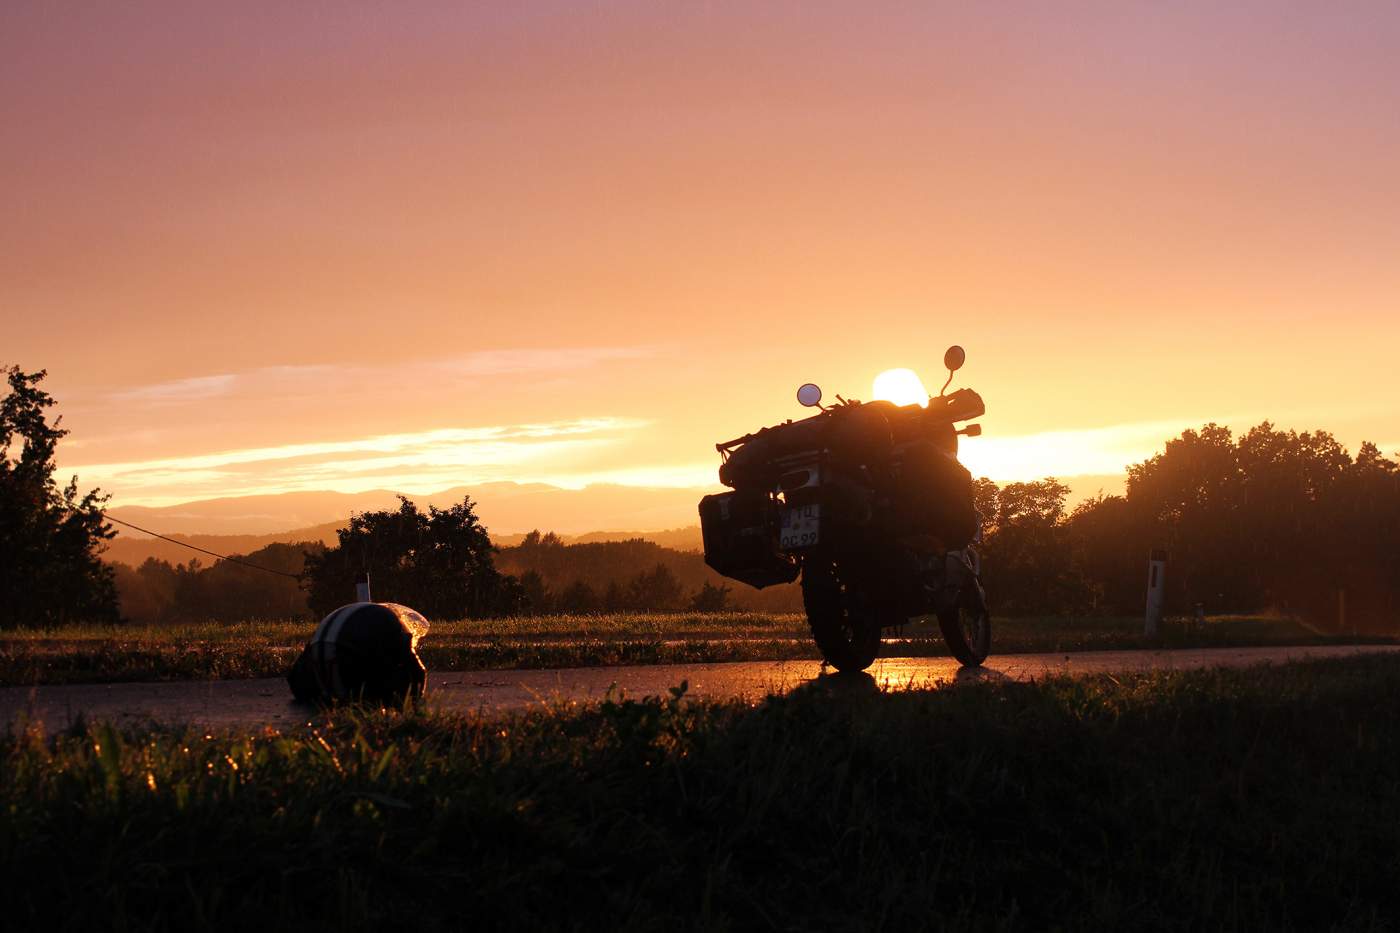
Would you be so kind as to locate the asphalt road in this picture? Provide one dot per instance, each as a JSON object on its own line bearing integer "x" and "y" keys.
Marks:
{"x": 256, "y": 703}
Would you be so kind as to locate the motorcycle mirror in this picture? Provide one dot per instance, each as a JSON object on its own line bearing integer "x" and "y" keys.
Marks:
{"x": 953, "y": 359}
{"x": 809, "y": 395}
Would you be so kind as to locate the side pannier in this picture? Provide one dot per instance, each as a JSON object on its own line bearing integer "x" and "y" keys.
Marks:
{"x": 738, "y": 529}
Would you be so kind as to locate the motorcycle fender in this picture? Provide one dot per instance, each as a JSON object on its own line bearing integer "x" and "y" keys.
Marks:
{"x": 961, "y": 585}
{"x": 957, "y": 572}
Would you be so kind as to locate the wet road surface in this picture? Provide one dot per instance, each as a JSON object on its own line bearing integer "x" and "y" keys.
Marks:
{"x": 255, "y": 703}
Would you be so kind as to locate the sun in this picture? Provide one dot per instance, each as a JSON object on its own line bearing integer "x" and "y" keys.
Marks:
{"x": 901, "y": 386}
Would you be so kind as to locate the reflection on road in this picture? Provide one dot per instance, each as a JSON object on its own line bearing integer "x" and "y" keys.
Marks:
{"x": 244, "y": 703}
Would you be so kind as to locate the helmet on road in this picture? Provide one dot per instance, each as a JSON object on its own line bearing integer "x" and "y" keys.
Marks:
{"x": 363, "y": 651}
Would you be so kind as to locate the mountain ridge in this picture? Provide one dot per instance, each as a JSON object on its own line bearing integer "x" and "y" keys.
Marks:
{"x": 505, "y": 508}
{"x": 133, "y": 549}
{"x": 508, "y": 510}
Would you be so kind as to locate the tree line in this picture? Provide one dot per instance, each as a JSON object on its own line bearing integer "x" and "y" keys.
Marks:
{"x": 158, "y": 592}
{"x": 1270, "y": 519}
{"x": 604, "y": 576}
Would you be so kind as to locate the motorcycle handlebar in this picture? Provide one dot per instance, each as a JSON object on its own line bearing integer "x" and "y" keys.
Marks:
{"x": 942, "y": 409}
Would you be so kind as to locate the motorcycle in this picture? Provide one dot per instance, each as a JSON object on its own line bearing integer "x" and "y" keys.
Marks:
{"x": 868, "y": 503}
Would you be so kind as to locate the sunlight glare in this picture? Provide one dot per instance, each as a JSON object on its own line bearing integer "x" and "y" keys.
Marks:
{"x": 901, "y": 386}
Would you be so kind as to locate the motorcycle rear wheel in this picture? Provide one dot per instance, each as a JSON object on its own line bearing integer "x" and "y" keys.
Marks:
{"x": 968, "y": 633}
{"x": 844, "y": 626}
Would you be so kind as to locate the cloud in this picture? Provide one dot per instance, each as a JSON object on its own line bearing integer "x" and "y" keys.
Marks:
{"x": 505, "y": 362}
{"x": 572, "y": 454}
{"x": 193, "y": 389}
{"x": 568, "y": 453}
{"x": 415, "y": 462}
{"x": 327, "y": 378}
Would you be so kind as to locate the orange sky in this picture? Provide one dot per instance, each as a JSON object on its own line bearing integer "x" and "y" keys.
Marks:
{"x": 415, "y": 246}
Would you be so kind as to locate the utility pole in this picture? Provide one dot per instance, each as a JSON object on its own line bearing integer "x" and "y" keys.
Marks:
{"x": 1156, "y": 591}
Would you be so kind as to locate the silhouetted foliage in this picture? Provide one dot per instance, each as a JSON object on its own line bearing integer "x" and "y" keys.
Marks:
{"x": 654, "y": 590}
{"x": 50, "y": 536}
{"x": 578, "y": 597}
{"x": 536, "y": 595}
{"x": 1028, "y": 566}
{"x": 1273, "y": 519}
{"x": 440, "y": 563}
{"x": 1106, "y": 540}
{"x": 711, "y": 598}
{"x": 617, "y": 576}
{"x": 614, "y": 598}
{"x": 159, "y": 592}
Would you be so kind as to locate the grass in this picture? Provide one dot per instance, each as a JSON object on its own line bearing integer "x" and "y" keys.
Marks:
{"x": 1244, "y": 799}
{"x": 267, "y": 649}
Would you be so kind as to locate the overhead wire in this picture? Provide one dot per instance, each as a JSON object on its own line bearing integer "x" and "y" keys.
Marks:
{"x": 231, "y": 560}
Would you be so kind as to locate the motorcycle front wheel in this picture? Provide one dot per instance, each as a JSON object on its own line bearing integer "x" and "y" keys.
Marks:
{"x": 844, "y": 624}
{"x": 968, "y": 633}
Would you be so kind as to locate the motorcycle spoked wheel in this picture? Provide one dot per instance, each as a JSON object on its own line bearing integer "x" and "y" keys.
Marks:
{"x": 968, "y": 633}
{"x": 844, "y": 625}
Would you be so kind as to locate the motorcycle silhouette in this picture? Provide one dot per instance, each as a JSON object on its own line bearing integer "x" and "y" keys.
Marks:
{"x": 868, "y": 503}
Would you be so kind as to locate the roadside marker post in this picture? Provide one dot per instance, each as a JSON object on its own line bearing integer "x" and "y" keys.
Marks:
{"x": 362, "y": 588}
{"x": 1156, "y": 591}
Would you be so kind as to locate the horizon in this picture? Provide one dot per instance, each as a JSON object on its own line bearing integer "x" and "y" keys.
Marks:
{"x": 522, "y": 508}
{"x": 1095, "y": 451}
{"x": 579, "y": 246}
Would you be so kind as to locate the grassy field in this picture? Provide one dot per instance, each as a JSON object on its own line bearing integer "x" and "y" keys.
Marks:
{"x": 267, "y": 649}
{"x": 1239, "y": 799}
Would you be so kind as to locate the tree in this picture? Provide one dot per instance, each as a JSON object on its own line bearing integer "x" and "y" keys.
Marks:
{"x": 226, "y": 591}
{"x": 1275, "y": 518}
{"x": 710, "y": 598}
{"x": 614, "y": 599}
{"x": 1109, "y": 548}
{"x": 147, "y": 593}
{"x": 1364, "y": 540}
{"x": 1189, "y": 498}
{"x": 577, "y": 597}
{"x": 538, "y": 598}
{"x": 440, "y": 563}
{"x": 655, "y": 590}
{"x": 1028, "y": 564}
{"x": 50, "y": 536}
{"x": 984, "y": 499}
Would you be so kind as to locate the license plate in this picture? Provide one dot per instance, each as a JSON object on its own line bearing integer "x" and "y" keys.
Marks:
{"x": 798, "y": 526}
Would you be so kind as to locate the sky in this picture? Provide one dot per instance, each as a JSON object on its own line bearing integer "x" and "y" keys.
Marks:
{"x": 264, "y": 247}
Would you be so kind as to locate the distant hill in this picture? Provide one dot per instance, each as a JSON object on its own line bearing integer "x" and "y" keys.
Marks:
{"x": 133, "y": 548}
{"x": 231, "y": 592}
{"x": 240, "y": 525}
{"x": 600, "y": 563}
{"x": 679, "y": 539}
{"x": 504, "y": 508}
